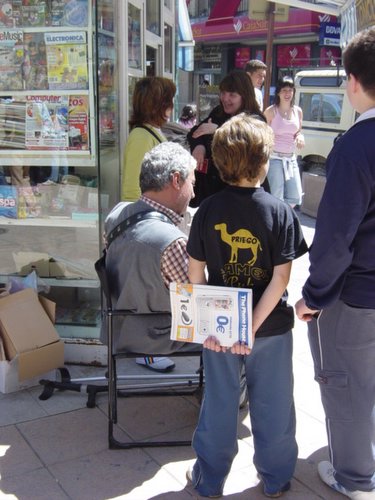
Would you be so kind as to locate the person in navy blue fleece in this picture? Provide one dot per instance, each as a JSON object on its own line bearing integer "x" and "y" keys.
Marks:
{"x": 339, "y": 295}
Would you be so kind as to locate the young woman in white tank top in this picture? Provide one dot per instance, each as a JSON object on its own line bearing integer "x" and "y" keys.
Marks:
{"x": 285, "y": 118}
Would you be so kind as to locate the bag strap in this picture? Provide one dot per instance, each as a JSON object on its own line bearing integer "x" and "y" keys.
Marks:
{"x": 150, "y": 131}
{"x": 133, "y": 219}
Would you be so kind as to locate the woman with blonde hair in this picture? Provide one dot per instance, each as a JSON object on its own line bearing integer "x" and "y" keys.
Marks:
{"x": 152, "y": 108}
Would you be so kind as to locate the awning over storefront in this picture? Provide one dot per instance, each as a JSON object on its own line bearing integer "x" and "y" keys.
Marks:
{"x": 185, "y": 38}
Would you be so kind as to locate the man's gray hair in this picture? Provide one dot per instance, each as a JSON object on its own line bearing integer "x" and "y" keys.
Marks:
{"x": 161, "y": 163}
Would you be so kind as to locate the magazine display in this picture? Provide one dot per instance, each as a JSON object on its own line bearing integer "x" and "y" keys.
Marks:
{"x": 199, "y": 311}
{"x": 47, "y": 122}
{"x": 11, "y": 59}
{"x": 35, "y": 62}
{"x": 78, "y": 122}
{"x": 67, "y": 60}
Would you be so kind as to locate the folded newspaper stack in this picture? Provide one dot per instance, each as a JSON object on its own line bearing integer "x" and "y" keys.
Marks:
{"x": 199, "y": 311}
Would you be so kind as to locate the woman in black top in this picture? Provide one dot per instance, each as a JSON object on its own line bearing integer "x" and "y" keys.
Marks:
{"x": 236, "y": 96}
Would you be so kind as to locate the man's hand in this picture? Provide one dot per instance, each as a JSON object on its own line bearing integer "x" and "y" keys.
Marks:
{"x": 303, "y": 312}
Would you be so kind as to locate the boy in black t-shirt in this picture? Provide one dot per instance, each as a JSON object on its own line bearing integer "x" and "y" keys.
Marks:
{"x": 245, "y": 237}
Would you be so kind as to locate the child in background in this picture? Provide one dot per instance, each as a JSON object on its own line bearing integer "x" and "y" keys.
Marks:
{"x": 188, "y": 116}
{"x": 247, "y": 238}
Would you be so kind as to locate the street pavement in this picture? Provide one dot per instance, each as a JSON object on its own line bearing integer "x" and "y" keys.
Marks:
{"x": 57, "y": 449}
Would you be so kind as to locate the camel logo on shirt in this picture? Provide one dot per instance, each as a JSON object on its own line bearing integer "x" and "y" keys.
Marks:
{"x": 240, "y": 240}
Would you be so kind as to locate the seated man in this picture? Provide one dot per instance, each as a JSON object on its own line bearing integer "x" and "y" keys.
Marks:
{"x": 145, "y": 258}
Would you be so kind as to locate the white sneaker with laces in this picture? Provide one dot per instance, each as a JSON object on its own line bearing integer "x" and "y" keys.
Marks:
{"x": 326, "y": 473}
{"x": 157, "y": 364}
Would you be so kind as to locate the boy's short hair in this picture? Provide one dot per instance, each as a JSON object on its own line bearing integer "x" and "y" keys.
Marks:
{"x": 253, "y": 65}
{"x": 359, "y": 59}
{"x": 241, "y": 147}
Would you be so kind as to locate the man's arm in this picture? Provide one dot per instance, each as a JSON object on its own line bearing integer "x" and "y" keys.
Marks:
{"x": 174, "y": 263}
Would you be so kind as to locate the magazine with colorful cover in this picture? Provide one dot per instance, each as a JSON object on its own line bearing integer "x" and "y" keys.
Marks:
{"x": 67, "y": 60}
{"x": 6, "y": 14}
{"x": 34, "y": 13}
{"x": 69, "y": 13}
{"x": 35, "y": 62}
{"x": 199, "y": 311}
{"x": 78, "y": 122}
{"x": 11, "y": 59}
{"x": 47, "y": 122}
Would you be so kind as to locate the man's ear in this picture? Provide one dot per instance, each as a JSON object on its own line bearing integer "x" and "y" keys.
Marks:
{"x": 176, "y": 180}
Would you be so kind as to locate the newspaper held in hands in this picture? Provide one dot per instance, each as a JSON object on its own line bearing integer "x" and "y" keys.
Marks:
{"x": 199, "y": 311}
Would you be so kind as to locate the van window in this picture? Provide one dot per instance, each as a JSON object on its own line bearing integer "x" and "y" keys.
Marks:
{"x": 322, "y": 81}
{"x": 317, "y": 107}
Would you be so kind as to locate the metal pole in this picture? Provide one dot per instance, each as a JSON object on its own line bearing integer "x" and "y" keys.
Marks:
{"x": 270, "y": 34}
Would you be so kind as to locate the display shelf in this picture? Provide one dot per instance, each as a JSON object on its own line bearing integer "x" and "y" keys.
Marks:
{"x": 49, "y": 222}
{"x": 60, "y": 282}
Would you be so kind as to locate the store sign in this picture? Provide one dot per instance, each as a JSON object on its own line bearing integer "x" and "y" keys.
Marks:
{"x": 258, "y": 11}
{"x": 293, "y": 55}
{"x": 330, "y": 56}
{"x": 242, "y": 55}
{"x": 329, "y": 34}
{"x": 365, "y": 13}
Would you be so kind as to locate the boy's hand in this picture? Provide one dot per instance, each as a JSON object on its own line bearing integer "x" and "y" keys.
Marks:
{"x": 240, "y": 348}
{"x": 213, "y": 344}
{"x": 303, "y": 312}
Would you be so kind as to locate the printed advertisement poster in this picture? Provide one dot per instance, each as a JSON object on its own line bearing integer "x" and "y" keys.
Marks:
{"x": 199, "y": 311}
{"x": 47, "y": 122}
{"x": 78, "y": 122}
{"x": 11, "y": 58}
{"x": 67, "y": 60}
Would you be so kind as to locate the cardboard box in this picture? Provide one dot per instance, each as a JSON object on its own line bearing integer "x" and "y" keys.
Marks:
{"x": 28, "y": 335}
{"x": 28, "y": 261}
{"x": 313, "y": 186}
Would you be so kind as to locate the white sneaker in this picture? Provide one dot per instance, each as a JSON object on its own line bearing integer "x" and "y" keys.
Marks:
{"x": 326, "y": 473}
{"x": 157, "y": 364}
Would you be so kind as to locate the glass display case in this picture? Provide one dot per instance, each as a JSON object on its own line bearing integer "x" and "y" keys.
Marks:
{"x": 58, "y": 140}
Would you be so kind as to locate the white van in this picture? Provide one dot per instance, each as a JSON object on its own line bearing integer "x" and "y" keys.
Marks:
{"x": 326, "y": 114}
{"x": 326, "y": 111}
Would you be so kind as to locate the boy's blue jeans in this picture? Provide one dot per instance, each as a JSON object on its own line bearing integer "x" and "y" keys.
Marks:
{"x": 269, "y": 375}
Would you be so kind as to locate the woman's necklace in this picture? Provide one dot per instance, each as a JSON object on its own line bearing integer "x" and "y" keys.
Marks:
{"x": 285, "y": 114}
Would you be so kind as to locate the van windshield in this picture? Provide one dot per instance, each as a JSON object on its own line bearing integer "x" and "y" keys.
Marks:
{"x": 317, "y": 107}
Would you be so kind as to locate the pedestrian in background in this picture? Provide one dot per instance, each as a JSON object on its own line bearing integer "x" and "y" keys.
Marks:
{"x": 256, "y": 70}
{"x": 152, "y": 108}
{"x": 236, "y": 96}
{"x": 285, "y": 119}
{"x": 339, "y": 296}
{"x": 188, "y": 116}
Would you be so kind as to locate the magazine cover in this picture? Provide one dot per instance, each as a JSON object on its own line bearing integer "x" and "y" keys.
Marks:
{"x": 35, "y": 62}
{"x": 11, "y": 59}
{"x": 47, "y": 122}
{"x": 78, "y": 122}
{"x": 69, "y": 13}
{"x": 199, "y": 311}
{"x": 67, "y": 60}
{"x": 34, "y": 13}
{"x": 6, "y": 14}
